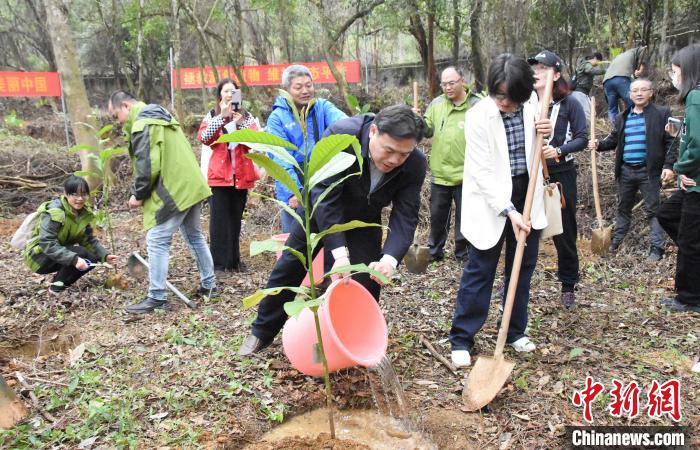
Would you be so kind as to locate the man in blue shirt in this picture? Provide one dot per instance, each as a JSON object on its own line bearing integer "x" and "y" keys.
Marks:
{"x": 643, "y": 159}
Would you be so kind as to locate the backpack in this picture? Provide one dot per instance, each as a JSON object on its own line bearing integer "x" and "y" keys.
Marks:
{"x": 24, "y": 232}
{"x": 575, "y": 76}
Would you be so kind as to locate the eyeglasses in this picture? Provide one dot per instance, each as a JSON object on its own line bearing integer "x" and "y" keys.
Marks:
{"x": 449, "y": 84}
{"x": 500, "y": 97}
{"x": 634, "y": 91}
{"x": 79, "y": 195}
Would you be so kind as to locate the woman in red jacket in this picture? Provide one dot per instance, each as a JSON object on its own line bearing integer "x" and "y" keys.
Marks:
{"x": 229, "y": 175}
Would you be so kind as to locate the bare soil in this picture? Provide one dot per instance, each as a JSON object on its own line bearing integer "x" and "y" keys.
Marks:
{"x": 173, "y": 379}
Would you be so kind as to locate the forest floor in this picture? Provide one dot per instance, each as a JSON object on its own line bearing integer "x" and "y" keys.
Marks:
{"x": 173, "y": 379}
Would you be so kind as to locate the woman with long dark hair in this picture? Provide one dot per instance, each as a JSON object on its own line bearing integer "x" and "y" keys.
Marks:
{"x": 230, "y": 174}
{"x": 569, "y": 136}
{"x": 680, "y": 214}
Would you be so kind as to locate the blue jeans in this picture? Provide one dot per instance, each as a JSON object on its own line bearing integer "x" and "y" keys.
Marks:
{"x": 286, "y": 219}
{"x": 474, "y": 295}
{"x": 158, "y": 240}
{"x": 617, "y": 88}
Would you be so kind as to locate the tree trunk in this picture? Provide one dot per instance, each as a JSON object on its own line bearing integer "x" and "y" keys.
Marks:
{"x": 141, "y": 94}
{"x": 178, "y": 101}
{"x": 418, "y": 32}
{"x": 203, "y": 89}
{"x": 633, "y": 23}
{"x": 663, "y": 50}
{"x": 475, "y": 57}
{"x": 283, "y": 11}
{"x": 235, "y": 54}
{"x": 201, "y": 31}
{"x": 431, "y": 72}
{"x": 83, "y": 121}
{"x": 456, "y": 31}
{"x": 46, "y": 48}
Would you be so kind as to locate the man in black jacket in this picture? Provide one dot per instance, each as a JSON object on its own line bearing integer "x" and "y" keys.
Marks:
{"x": 643, "y": 159}
{"x": 393, "y": 172}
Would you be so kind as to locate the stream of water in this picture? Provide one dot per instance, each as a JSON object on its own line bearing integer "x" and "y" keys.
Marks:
{"x": 393, "y": 426}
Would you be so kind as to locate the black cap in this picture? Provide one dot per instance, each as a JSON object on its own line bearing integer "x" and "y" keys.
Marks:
{"x": 548, "y": 59}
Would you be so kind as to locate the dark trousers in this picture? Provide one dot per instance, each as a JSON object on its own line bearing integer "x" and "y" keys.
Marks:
{"x": 226, "y": 205}
{"x": 474, "y": 295}
{"x": 364, "y": 246}
{"x": 633, "y": 179}
{"x": 680, "y": 217}
{"x": 441, "y": 200}
{"x": 65, "y": 274}
{"x": 565, "y": 243}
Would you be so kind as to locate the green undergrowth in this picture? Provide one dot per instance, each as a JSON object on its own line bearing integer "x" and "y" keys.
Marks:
{"x": 181, "y": 389}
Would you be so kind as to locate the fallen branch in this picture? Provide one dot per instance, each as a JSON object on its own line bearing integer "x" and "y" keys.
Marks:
{"x": 437, "y": 355}
{"x": 21, "y": 183}
{"x": 41, "y": 380}
{"x": 35, "y": 401}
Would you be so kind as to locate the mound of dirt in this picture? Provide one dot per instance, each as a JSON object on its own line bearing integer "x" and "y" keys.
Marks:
{"x": 322, "y": 441}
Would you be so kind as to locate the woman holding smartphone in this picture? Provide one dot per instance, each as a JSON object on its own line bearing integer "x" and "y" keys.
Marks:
{"x": 229, "y": 174}
{"x": 680, "y": 214}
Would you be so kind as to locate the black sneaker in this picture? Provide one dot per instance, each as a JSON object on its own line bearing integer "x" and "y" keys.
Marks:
{"x": 568, "y": 299}
{"x": 674, "y": 305}
{"x": 208, "y": 292}
{"x": 240, "y": 268}
{"x": 146, "y": 306}
{"x": 614, "y": 246}
{"x": 655, "y": 254}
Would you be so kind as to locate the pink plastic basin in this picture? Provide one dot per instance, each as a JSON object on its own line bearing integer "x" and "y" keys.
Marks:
{"x": 352, "y": 325}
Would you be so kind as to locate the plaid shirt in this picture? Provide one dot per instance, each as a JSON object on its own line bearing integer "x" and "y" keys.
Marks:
{"x": 515, "y": 135}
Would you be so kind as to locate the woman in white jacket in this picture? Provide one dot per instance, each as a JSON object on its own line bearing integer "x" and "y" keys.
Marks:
{"x": 500, "y": 133}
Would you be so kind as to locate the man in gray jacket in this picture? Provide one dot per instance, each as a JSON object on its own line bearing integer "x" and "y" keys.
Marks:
{"x": 619, "y": 76}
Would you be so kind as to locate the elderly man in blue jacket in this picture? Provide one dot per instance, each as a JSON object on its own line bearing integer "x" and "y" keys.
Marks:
{"x": 392, "y": 173}
{"x": 285, "y": 121}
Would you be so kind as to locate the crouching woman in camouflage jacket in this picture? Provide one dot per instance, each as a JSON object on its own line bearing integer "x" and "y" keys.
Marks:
{"x": 62, "y": 240}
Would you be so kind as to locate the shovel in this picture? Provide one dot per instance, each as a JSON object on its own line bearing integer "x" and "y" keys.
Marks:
{"x": 490, "y": 373}
{"x": 417, "y": 258}
{"x": 601, "y": 237}
{"x": 138, "y": 267}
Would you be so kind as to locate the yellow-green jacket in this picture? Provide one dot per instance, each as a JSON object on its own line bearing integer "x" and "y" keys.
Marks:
{"x": 166, "y": 173}
{"x": 445, "y": 124}
{"x": 57, "y": 228}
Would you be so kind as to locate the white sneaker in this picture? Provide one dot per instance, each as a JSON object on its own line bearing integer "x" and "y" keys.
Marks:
{"x": 696, "y": 367}
{"x": 524, "y": 344}
{"x": 461, "y": 358}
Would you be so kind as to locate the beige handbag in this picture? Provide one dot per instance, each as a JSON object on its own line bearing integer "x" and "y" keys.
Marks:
{"x": 553, "y": 203}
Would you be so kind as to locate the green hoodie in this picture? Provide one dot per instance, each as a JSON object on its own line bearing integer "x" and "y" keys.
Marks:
{"x": 166, "y": 173}
{"x": 58, "y": 228}
{"x": 689, "y": 152}
{"x": 445, "y": 124}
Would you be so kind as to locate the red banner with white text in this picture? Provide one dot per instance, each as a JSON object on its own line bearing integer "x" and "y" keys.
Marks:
{"x": 30, "y": 84}
{"x": 267, "y": 75}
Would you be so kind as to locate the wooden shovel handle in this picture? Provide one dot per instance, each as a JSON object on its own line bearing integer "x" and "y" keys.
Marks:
{"x": 415, "y": 95}
{"x": 594, "y": 168}
{"x": 535, "y": 158}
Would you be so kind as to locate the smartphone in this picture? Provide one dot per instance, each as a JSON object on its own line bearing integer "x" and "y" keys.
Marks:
{"x": 236, "y": 100}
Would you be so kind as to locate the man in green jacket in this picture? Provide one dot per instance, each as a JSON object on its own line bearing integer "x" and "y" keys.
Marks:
{"x": 170, "y": 187}
{"x": 444, "y": 121}
{"x": 583, "y": 75}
